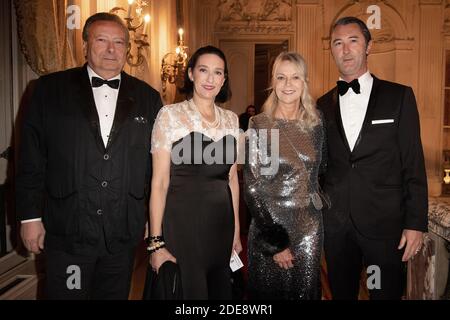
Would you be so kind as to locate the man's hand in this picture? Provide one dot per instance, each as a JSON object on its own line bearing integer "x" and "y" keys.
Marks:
{"x": 413, "y": 240}
{"x": 33, "y": 234}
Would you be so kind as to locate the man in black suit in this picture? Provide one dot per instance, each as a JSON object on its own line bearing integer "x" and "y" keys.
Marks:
{"x": 375, "y": 178}
{"x": 84, "y": 168}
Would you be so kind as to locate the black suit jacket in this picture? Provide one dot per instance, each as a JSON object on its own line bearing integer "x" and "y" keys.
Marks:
{"x": 381, "y": 185}
{"x": 66, "y": 175}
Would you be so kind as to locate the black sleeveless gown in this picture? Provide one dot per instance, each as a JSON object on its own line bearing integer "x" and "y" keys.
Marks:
{"x": 198, "y": 223}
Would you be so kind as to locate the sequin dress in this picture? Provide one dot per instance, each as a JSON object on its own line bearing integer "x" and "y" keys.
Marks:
{"x": 198, "y": 222}
{"x": 285, "y": 203}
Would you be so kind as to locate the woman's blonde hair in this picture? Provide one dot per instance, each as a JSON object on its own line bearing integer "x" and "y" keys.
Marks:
{"x": 308, "y": 115}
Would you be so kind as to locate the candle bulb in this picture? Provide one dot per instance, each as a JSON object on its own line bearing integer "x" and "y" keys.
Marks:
{"x": 147, "y": 20}
{"x": 180, "y": 32}
{"x": 130, "y": 3}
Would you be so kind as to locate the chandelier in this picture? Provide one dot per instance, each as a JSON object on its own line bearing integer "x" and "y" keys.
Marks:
{"x": 174, "y": 64}
{"x": 138, "y": 24}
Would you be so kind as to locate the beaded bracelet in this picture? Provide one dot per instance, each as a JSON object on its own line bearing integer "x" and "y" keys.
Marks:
{"x": 156, "y": 246}
{"x": 158, "y": 238}
{"x": 154, "y": 239}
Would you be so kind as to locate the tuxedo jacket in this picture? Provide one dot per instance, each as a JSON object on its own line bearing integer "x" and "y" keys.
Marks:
{"x": 83, "y": 190}
{"x": 381, "y": 185}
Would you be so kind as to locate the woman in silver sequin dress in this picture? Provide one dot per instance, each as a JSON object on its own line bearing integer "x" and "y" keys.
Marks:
{"x": 284, "y": 148}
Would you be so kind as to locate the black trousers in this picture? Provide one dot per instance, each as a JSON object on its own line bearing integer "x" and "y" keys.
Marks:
{"x": 103, "y": 276}
{"x": 348, "y": 251}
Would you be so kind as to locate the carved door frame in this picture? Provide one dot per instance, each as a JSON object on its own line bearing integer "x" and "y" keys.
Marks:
{"x": 252, "y": 40}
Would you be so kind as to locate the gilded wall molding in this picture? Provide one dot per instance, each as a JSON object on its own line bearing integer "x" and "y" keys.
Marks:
{"x": 446, "y": 27}
{"x": 256, "y": 16}
{"x": 255, "y": 27}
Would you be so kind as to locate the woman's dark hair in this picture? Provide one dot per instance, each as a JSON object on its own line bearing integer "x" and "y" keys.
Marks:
{"x": 249, "y": 107}
{"x": 188, "y": 89}
{"x": 348, "y": 20}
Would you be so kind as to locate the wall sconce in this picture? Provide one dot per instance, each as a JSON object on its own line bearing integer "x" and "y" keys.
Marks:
{"x": 138, "y": 40}
{"x": 174, "y": 65}
{"x": 447, "y": 176}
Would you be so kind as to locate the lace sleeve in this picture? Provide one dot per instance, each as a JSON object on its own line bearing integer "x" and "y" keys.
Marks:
{"x": 162, "y": 130}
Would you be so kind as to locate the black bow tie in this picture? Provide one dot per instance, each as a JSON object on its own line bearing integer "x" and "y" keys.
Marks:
{"x": 98, "y": 82}
{"x": 343, "y": 87}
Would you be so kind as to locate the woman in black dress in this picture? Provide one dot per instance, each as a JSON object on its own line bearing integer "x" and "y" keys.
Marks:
{"x": 194, "y": 197}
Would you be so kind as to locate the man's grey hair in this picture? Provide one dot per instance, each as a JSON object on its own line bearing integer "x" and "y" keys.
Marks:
{"x": 104, "y": 16}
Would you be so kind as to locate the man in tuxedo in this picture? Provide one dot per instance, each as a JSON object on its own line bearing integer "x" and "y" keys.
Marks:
{"x": 375, "y": 175}
{"x": 84, "y": 168}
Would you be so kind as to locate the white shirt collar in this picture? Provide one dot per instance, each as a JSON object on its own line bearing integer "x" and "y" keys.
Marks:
{"x": 365, "y": 82}
{"x": 92, "y": 73}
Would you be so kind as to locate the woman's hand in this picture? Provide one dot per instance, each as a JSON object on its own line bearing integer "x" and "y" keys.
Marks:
{"x": 237, "y": 245}
{"x": 160, "y": 256}
{"x": 284, "y": 259}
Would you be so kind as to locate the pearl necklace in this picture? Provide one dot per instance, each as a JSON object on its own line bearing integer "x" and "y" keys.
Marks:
{"x": 211, "y": 125}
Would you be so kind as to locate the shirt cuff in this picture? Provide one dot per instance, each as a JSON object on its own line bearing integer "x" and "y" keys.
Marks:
{"x": 31, "y": 220}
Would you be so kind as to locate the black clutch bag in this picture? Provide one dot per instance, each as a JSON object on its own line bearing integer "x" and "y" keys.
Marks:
{"x": 271, "y": 239}
{"x": 164, "y": 285}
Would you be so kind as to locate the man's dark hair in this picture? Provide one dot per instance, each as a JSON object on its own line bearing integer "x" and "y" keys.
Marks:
{"x": 225, "y": 92}
{"x": 348, "y": 20}
{"x": 104, "y": 16}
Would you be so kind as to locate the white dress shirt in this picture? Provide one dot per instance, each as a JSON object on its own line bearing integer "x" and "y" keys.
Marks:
{"x": 353, "y": 108}
{"x": 105, "y": 99}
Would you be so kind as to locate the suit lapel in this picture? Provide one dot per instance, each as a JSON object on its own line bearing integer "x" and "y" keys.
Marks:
{"x": 87, "y": 103}
{"x": 369, "y": 112}
{"x": 125, "y": 104}
{"x": 337, "y": 112}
